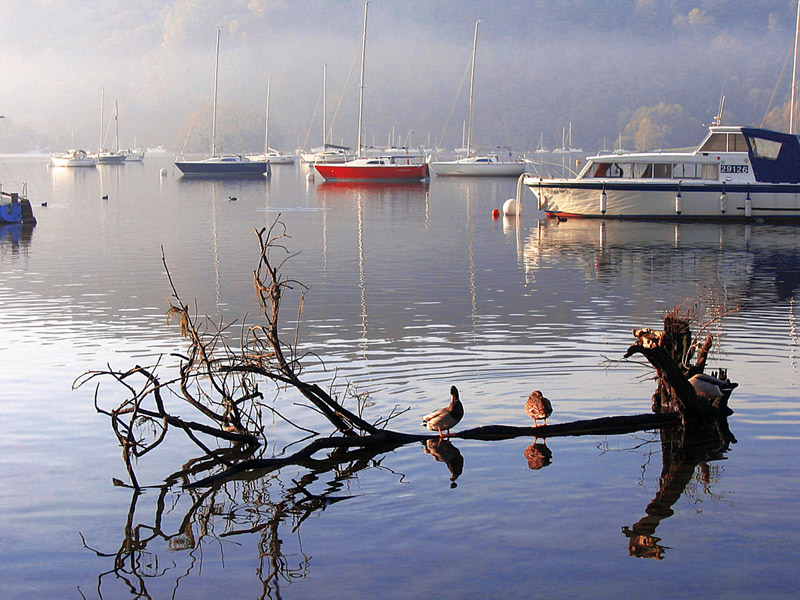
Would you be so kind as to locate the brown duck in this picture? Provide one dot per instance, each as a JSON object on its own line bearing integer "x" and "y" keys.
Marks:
{"x": 445, "y": 418}
{"x": 538, "y": 407}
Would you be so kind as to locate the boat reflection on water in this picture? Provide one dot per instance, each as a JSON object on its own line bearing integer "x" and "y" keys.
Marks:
{"x": 659, "y": 259}
{"x": 15, "y": 239}
{"x": 413, "y": 188}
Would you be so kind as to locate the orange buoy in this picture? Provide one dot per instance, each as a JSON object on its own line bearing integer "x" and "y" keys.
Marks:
{"x": 495, "y": 214}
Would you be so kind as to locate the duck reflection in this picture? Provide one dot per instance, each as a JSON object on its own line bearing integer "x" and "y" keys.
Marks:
{"x": 444, "y": 451}
{"x": 538, "y": 455}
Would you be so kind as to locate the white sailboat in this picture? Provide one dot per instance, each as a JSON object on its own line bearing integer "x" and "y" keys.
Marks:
{"x": 219, "y": 165}
{"x": 271, "y": 155}
{"x": 476, "y": 165}
{"x": 104, "y": 156}
{"x": 327, "y": 153}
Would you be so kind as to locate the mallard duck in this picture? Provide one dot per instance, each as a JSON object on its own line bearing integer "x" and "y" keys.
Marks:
{"x": 538, "y": 407}
{"x": 445, "y": 418}
{"x": 708, "y": 386}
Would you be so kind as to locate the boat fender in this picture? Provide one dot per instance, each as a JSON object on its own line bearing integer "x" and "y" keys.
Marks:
{"x": 603, "y": 200}
{"x": 723, "y": 200}
{"x": 748, "y": 205}
{"x": 678, "y": 200}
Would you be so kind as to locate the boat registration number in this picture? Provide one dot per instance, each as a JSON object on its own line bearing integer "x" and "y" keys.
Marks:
{"x": 734, "y": 168}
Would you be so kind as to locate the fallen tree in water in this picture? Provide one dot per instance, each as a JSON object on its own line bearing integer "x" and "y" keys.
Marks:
{"x": 221, "y": 386}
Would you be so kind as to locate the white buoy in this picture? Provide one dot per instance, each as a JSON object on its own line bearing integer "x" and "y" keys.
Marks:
{"x": 678, "y": 203}
{"x": 513, "y": 206}
{"x": 603, "y": 201}
{"x": 748, "y": 206}
{"x": 163, "y": 172}
{"x": 723, "y": 202}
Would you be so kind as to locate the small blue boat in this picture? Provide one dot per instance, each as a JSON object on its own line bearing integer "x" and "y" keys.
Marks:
{"x": 14, "y": 209}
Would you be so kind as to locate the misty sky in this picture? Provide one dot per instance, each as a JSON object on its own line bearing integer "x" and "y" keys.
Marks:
{"x": 652, "y": 68}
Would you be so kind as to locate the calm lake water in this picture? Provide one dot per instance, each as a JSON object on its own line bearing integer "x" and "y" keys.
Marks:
{"x": 413, "y": 288}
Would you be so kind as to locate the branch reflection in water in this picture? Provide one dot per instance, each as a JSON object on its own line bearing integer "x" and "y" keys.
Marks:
{"x": 270, "y": 506}
{"x": 265, "y": 506}
{"x": 684, "y": 451}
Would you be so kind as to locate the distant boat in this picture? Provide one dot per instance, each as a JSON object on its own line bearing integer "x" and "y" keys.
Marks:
{"x": 270, "y": 155}
{"x": 73, "y": 158}
{"x": 540, "y": 149}
{"x": 221, "y": 165}
{"x": 481, "y": 166}
{"x": 133, "y": 154}
{"x": 376, "y": 168}
{"x": 109, "y": 157}
{"x": 157, "y": 150}
{"x": 327, "y": 153}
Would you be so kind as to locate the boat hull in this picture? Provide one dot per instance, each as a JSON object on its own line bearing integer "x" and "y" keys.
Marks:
{"x": 273, "y": 159}
{"x": 711, "y": 201}
{"x": 347, "y": 172}
{"x": 14, "y": 209}
{"x": 461, "y": 169}
{"x": 204, "y": 168}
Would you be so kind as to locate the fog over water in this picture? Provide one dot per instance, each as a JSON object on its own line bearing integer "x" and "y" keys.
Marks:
{"x": 651, "y": 71}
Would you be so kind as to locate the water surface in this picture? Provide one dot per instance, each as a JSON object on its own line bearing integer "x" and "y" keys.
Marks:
{"x": 413, "y": 288}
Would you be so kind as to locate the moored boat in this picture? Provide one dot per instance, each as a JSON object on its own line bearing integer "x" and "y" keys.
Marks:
{"x": 15, "y": 209}
{"x": 487, "y": 165}
{"x": 226, "y": 165}
{"x": 73, "y": 158}
{"x": 735, "y": 174}
{"x": 270, "y": 155}
{"x": 476, "y": 165}
{"x": 223, "y": 165}
{"x": 133, "y": 154}
{"x": 377, "y": 168}
{"x": 374, "y": 168}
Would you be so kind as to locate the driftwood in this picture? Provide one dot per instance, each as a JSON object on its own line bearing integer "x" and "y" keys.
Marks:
{"x": 222, "y": 384}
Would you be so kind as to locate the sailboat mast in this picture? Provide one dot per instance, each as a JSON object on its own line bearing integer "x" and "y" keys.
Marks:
{"x": 102, "y": 100}
{"x": 324, "y": 105}
{"x": 471, "y": 88}
{"x": 266, "y": 118}
{"x": 794, "y": 71}
{"x": 116, "y": 127}
{"x": 361, "y": 87}
{"x": 214, "y": 106}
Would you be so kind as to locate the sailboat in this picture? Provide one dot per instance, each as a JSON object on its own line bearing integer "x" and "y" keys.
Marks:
{"x": 374, "y": 168}
{"x": 218, "y": 165}
{"x": 272, "y": 156}
{"x": 103, "y": 156}
{"x": 476, "y": 165}
{"x": 327, "y": 153}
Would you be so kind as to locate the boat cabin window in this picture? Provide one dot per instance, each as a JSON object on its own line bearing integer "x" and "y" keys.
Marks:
{"x": 613, "y": 170}
{"x": 709, "y": 171}
{"x": 642, "y": 170}
{"x": 662, "y": 170}
{"x": 724, "y": 142}
{"x": 766, "y": 148}
{"x": 695, "y": 171}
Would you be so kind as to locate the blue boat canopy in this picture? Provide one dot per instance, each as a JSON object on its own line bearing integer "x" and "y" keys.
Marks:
{"x": 775, "y": 156}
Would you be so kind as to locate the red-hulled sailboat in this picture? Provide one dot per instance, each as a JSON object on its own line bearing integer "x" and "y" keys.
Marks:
{"x": 374, "y": 168}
